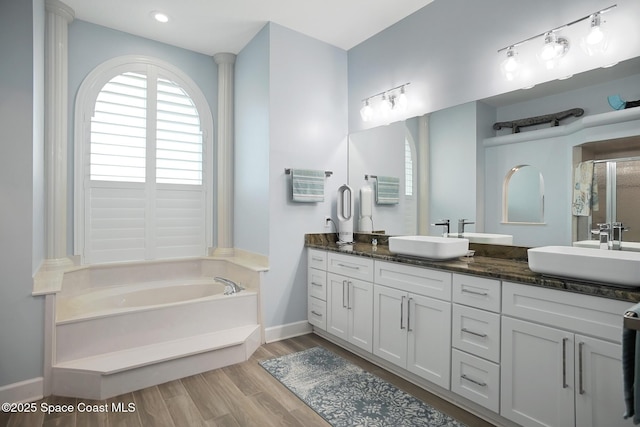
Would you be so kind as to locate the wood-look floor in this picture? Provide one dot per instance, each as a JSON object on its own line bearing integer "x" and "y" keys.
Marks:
{"x": 236, "y": 396}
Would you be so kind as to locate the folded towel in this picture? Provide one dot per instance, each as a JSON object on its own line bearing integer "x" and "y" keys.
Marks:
{"x": 307, "y": 185}
{"x": 387, "y": 190}
{"x": 631, "y": 369}
{"x": 585, "y": 190}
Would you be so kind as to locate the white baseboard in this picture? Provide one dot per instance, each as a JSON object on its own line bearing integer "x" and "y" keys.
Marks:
{"x": 23, "y": 391}
{"x": 290, "y": 330}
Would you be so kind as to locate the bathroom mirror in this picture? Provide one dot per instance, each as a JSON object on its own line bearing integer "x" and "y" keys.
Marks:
{"x": 523, "y": 196}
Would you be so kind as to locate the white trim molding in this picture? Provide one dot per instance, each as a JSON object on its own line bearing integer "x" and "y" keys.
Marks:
{"x": 23, "y": 391}
{"x": 290, "y": 330}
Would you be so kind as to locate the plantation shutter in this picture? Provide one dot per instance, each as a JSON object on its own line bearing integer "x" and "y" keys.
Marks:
{"x": 145, "y": 192}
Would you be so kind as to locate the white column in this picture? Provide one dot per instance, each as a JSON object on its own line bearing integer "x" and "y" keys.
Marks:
{"x": 224, "y": 202}
{"x": 58, "y": 17}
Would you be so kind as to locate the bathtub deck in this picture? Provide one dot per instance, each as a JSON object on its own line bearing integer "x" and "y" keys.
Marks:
{"x": 110, "y": 374}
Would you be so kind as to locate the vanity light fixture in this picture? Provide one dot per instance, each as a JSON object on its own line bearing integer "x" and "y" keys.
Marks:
{"x": 160, "y": 16}
{"x": 556, "y": 46}
{"x": 394, "y": 99}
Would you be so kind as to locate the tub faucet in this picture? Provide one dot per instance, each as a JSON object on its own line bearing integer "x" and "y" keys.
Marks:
{"x": 231, "y": 286}
{"x": 461, "y": 224}
{"x": 444, "y": 223}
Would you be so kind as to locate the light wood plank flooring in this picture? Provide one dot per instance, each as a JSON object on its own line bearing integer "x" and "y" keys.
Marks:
{"x": 236, "y": 396}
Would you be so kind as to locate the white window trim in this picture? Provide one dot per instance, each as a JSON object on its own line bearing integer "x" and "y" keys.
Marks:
{"x": 84, "y": 105}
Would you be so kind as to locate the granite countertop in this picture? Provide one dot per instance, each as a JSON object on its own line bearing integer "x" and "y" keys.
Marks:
{"x": 493, "y": 261}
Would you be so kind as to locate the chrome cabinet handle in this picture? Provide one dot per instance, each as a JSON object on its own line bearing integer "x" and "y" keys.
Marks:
{"x": 353, "y": 267}
{"x": 409, "y": 315}
{"x": 467, "y": 291}
{"x": 564, "y": 362}
{"x": 343, "y": 285}
{"x": 478, "y": 334}
{"x": 316, "y": 284}
{"x": 349, "y": 286}
{"x": 402, "y": 312}
{"x": 480, "y": 383}
{"x": 581, "y": 385}
{"x": 316, "y": 313}
{"x": 317, "y": 259}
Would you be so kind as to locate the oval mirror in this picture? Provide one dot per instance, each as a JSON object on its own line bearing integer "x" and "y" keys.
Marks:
{"x": 523, "y": 195}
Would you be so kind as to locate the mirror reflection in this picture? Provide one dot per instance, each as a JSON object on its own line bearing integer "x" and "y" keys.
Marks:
{"x": 523, "y": 197}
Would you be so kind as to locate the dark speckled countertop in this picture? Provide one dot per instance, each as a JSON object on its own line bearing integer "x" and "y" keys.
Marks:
{"x": 495, "y": 261}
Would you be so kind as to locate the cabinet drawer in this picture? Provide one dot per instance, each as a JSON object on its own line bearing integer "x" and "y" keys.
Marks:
{"x": 421, "y": 281}
{"x": 476, "y": 379}
{"x": 317, "y": 283}
{"x": 350, "y": 266}
{"x": 476, "y": 332}
{"x": 317, "y": 313}
{"x": 317, "y": 259}
{"x": 478, "y": 292}
{"x": 586, "y": 314}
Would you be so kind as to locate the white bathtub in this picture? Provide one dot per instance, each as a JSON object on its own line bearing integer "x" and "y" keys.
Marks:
{"x": 113, "y": 300}
{"x": 145, "y": 323}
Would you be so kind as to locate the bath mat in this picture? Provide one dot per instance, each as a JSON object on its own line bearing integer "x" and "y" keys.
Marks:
{"x": 345, "y": 395}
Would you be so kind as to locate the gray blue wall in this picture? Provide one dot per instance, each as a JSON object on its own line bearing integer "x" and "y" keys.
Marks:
{"x": 21, "y": 184}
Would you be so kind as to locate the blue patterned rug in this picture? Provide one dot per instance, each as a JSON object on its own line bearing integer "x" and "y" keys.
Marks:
{"x": 346, "y": 396}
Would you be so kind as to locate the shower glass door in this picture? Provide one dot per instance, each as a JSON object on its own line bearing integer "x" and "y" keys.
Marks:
{"x": 619, "y": 195}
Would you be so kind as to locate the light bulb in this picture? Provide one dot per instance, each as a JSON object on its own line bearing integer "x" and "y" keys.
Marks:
{"x": 160, "y": 16}
{"x": 597, "y": 40}
{"x": 366, "y": 112}
{"x": 401, "y": 102}
{"x": 385, "y": 106}
{"x": 510, "y": 67}
{"x": 554, "y": 48}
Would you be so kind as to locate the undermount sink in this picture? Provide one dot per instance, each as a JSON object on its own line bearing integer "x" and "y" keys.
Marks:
{"x": 595, "y": 244}
{"x": 603, "y": 266}
{"x": 487, "y": 238}
{"x": 431, "y": 247}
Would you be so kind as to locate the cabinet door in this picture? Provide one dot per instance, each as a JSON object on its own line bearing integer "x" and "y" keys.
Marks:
{"x": 337, "y": 312}
{"x": 429, "y": 339}
{"x": 537, "y": 374}
{"x": 390, "y": 325}
{"x": 599, "y": 389}
{"x": 360, "y": 306}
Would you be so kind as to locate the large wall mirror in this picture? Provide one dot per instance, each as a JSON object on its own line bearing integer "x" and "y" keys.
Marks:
{"x": 523, "y": 196}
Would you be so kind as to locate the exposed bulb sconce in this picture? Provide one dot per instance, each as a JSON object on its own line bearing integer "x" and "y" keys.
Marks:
{"x": 511, "y": 67}
{"x": 555, "y": 46}
{"x": 394, "y": 99}
{"x": 597, "y": 40}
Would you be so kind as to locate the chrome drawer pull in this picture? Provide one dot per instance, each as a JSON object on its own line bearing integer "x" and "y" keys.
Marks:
{"x": 315, "y": 313}
{"x": 481, "y": 384}
{"x": 564, "y": 362}
{"x": 317, "y": 259}
{"x": 478, "y": 334}
{"x": 316, "y": 284}
{"x": 581, "y": 386}
{"x": 467, "y": 291}
{"x": 353, "y": 267}
{"x": 402, "y": 312}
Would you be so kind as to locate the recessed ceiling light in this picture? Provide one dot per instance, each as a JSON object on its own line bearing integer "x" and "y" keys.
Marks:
{"x": 160, "y": 16}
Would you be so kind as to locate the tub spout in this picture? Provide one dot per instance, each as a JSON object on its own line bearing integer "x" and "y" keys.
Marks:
{"x": 231, "y": 286}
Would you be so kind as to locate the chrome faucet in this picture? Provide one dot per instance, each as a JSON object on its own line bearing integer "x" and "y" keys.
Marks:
{"x": 461, "y": 224}
{"x": 604, "y": 236}
{"x": 444, "y": 223}
{"x": 231, "y": 286}
{"x": 616, "y": 235}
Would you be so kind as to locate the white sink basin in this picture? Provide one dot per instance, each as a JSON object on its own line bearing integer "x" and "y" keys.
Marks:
{"x": 594, "y": 244}
{"x": 487, "y": 238}
{"x": 431, "y": 247}
{"x": 603, "y": 266}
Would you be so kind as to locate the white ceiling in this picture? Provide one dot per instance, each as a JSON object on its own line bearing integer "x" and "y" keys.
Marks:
{"x": 213, "y": 26}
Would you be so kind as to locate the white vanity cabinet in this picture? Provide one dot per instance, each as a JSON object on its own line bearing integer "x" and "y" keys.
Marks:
{"x": 317, "y": 288}
{"x": 412, "y": 319}
{"x": 350, "y": 299}
{"x": 475, "y": 336}
{"x": 561, "y": 358}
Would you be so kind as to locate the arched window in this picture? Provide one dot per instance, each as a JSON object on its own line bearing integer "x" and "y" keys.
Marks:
{"x": 143, "y": 164}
